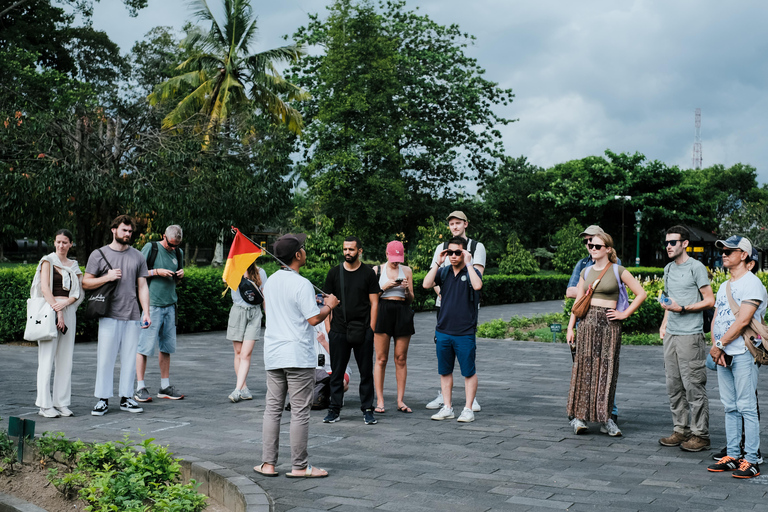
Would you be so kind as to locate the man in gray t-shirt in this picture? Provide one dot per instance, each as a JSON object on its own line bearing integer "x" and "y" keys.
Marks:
{"x": 119, "y": 329}
{"x": 687, "y": 293}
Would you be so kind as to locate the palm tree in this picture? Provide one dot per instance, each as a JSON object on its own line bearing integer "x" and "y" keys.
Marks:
{"x": 224, "y": 78}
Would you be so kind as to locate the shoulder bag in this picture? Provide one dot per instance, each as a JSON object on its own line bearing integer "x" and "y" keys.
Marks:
{"x": 41, "y": 320}
{"x": 356, "y": 329}
{"x": 581, "y": 307}
{"x": 100, "y": 298}
{"x": 752, "y": 331}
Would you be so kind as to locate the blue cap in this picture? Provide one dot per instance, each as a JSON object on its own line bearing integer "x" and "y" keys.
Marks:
{"x": 736, "y": 242}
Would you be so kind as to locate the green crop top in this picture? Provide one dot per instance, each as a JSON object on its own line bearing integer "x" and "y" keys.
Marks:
{"x": 608, "y": 288}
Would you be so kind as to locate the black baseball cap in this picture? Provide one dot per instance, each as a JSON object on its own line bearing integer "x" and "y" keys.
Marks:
{"x": 288, "y": 245}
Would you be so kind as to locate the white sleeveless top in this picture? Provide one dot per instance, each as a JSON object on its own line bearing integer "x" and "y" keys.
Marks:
{"x": 396, "y": 291}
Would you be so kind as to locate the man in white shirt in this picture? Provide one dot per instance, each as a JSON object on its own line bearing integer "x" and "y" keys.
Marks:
{"x": 457, "y": 223}
{"x": 290, "y": 357}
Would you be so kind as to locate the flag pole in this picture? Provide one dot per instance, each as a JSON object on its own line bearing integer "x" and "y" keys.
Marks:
{"x": 278, "y": 259}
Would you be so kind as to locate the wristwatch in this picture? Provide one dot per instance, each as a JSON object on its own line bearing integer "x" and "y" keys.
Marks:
{"x": 682, "y": 309}
{"x": 719, "y": 344}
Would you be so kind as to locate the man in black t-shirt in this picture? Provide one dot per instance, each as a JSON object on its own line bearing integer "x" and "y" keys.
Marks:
{"x": 358, "y": 308}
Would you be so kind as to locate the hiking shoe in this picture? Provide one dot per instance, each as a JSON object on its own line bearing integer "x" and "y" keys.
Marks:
{"x": 476, "y": 406}
{"x": 100, "y": 409}
{"x": 610, "y": 428}
{"x": 676, "y": 439}
{"x": 438, "y": 402}
{"x": 746, "y": 470}
{"x": 725, "y": 464}
{"x": 64, "y": 411}
{"x": 245, "y": 393}
{"x": 235, "y": 396}
{"x": 170, "y": 393}
{"x": 445, "y": 413}
{"x": 695, "y": 444}
{"x": 331, "y": 417}
{"x": 50, "y": 412}
{"x": 467, "y": 416}
{"x": 579, "y": 427}
{"x": 142, "y": 395}
{"x": 129, "y": 405}
{"x": 369, "y": 418}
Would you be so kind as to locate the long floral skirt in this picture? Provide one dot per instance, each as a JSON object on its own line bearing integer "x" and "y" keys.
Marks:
{"x": 595, "y": 367}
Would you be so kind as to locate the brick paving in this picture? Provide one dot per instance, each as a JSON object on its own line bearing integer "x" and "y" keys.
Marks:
{"x": 519, "y": 454}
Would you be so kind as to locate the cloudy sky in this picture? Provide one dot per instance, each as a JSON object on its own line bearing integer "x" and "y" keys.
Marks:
{"x": 588, "y": 75}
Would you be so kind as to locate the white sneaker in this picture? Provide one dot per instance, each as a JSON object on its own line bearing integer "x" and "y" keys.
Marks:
{"x": 235, "y": 396}
{"x": 610, "y": 428}
{"x": 445, "y": 413}
{"x": 437, "y": 403}
{"x": 130, "y": 405}
{"x": 476, "y": 406}
{"x": 579, "y": 427}
{"x": 245, "y": 393}
{"x": 64, "y": 411}
{"x": 467, "y": 416}
{"x": 48, "y": 413}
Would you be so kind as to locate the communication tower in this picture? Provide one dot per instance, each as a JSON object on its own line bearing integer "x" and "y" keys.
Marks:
{"x": 697, "y": 141}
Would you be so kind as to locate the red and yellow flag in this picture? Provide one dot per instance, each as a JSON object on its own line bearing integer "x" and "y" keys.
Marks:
{"x": 242, "y": 253}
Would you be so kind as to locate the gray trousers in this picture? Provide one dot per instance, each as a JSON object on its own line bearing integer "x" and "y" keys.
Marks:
{"x": 297, "y": 384}
{"x": 684, "y": 363}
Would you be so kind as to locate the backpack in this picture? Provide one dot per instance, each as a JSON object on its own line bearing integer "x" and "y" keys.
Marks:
{"x": 153, "y": 256}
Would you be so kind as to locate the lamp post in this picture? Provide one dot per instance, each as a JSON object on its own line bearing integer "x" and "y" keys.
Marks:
{"x": 638, "y": 218}
{"x": 625, "y": 198}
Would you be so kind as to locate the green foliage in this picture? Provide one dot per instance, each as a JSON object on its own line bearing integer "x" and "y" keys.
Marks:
{"x": 517, "y": 260}
{"x": 431, "y": 233}
{"x": 54, "y": 446}
{"x": 570, "y": 248}
{"x": 7, "y": 452}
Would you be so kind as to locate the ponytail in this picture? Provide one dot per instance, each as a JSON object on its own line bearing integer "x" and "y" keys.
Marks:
{"x": 612, "y": 256}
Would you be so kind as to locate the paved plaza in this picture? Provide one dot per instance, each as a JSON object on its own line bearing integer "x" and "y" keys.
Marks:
{"x": 520, "y": 453}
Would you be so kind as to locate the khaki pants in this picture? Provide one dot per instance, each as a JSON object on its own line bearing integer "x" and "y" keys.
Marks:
{"x": 298, "y": 384}
{"x": 684, "y": 363}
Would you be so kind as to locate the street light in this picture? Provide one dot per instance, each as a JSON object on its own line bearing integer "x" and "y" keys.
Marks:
{"x": 638, "y": 218}
{"x": 625, "y": 198}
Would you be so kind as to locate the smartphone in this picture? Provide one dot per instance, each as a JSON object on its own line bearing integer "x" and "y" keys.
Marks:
{"x": 64, "y": 330}
{"x": 398, "y": 281}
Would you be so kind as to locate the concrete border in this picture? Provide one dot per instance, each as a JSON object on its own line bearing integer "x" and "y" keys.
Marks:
{"x": 10, "y": 503}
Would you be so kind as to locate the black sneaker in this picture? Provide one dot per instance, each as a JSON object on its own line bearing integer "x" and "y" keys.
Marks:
{"x": 719, "y": 455}
{"x": 142, "y": 395}
{"x": 331, "y": 417}
{"x": 101, "y": 408}
{"x": 746, "y": 470}
{"x": 170, "y": 393}
{"x": 369, "y": 418}
{"x": 129, "y": 405}
{"x": 726, "y": 464}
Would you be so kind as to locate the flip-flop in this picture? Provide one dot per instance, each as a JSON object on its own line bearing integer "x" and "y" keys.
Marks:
{"x": 260, "y": 470}
{"x": 307, "y": 474}
{"x": 405, "y": 409}
{"x": 380, "y": 410}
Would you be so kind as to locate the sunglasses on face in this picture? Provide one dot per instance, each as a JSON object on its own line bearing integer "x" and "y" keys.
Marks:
{"x": 453, "y": 253}
{"x": 587, "y": 240}
{"x": 672, "y": 242}
{"x": 597, "y": 247}
{"x": 728, "y": 252}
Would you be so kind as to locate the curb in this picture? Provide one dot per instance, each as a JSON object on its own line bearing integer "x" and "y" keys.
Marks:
{"x": 10, "y": 503}
{"x": 233, "y": 490}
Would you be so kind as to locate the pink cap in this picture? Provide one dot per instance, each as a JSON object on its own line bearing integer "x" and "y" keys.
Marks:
{"x": 395, "y": 251}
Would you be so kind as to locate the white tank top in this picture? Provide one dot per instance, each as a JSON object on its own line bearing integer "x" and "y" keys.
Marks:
{"x": 396, "y": 291}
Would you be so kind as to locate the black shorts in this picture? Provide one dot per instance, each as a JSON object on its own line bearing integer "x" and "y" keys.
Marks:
{"x": 395, "y": 318}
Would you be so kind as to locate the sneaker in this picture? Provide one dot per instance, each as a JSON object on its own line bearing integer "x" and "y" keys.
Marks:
{"x": 170, "y": 393}
{"x": 610, "y": 428}
{"x": 100, "y": 409}
{"x": 579, "y": 427}
{"x": 235, "y": 396}
{"x": 64, "y": 411}
{"x": 676, "y": 439}
{"x": 722, "y": 453}
{"x": 445, "y": 413}
{"x": 725, "y": 464}
{"x": 331, "y": 417}
{"x": 476, "y": 406}
{"x": 467, "y": 416}
{"x": 759, "y": 457}
{"x": 437, "y": 403}
{"x": 369, "y": 418}
{"x": 129, "y": 405}
{"x": 142, "y": 395}
{"x": 50, "y": 412}
{"x": 695, "y": 444}
{"x": 245, "y": 394}
{"x": 746, "y": 470}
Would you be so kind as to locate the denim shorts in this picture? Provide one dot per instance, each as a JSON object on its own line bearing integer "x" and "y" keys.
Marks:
{"x": 449, "y": 348}
{"x": 161, "y": 332}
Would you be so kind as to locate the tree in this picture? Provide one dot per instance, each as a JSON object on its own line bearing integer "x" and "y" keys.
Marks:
{"x": 750, "y": 220}
{"x": 399, "y": 115}
{"x": 517, "y": 260}
{"x": 570, "y": 248}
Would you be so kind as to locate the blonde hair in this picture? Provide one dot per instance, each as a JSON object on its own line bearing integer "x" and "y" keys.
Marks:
{"x": 253, "y": 274}
{"x": 608, "y": 241}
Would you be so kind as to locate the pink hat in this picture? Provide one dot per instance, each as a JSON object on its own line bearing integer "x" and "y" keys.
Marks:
{"x": 395, "y": 251}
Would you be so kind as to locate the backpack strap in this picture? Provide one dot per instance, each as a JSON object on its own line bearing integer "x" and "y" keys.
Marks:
{"x": 471, "y": 246}
{"x": 152, "y": 255}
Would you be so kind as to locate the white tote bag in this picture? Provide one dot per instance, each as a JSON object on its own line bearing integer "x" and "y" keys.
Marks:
{"x": 41, "y": 320}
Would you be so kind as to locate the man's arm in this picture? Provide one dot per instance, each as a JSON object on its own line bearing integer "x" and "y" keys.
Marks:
{"x": 746, "y": 311}
{"x": 573, "y": 282}
{"x": 144, "y": 301}
{"x": 663, "y": 328}
{"x": 374, "y": 298}
{"x": 91, "y": 282}
{"x": 429, "y": 279}
{"x": 330, "y": 302}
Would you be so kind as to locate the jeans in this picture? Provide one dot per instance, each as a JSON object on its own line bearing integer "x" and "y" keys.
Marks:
{"x": 737, "y": 384}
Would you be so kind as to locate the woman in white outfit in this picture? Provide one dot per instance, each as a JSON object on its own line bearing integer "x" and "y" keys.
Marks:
{"x": 59, "y": 280}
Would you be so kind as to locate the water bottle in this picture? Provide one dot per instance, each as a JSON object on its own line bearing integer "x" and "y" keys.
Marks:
{"x": 665, "y": 300}
{"x": 756, "y": 341}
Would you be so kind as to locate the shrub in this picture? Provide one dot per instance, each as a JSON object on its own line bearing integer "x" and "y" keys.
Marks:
{"x": 432, "y": 233}
{"x": 517, "y": 259}
{"x": 570, "y": 248}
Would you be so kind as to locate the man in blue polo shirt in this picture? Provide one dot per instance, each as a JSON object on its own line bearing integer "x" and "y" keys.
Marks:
{"x": 456, "y": 323}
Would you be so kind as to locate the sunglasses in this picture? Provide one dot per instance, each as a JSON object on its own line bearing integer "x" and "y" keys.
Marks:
{"x": 171, "y": 244}
{"x": 454, "y": 253}
{"x": 672, "y": 242}
{"x": 597, "y": 247}
{"x": 728, "y": 252}
{"x": 587, "y": 240}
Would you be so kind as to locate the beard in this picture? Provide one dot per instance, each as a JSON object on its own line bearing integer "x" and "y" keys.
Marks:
{"x": 351, "y": 259}
{"x": 123, "y": 241}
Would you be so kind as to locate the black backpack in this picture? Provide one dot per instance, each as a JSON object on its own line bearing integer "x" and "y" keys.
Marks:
{"x": 153, "y": 256}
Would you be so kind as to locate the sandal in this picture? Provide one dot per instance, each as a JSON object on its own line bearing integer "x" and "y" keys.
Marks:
{"x": 379, "y": 410}
{"x": 308, "y": 473}
{"x": 405, "y": 409}
{"x": 260, "y": 470}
